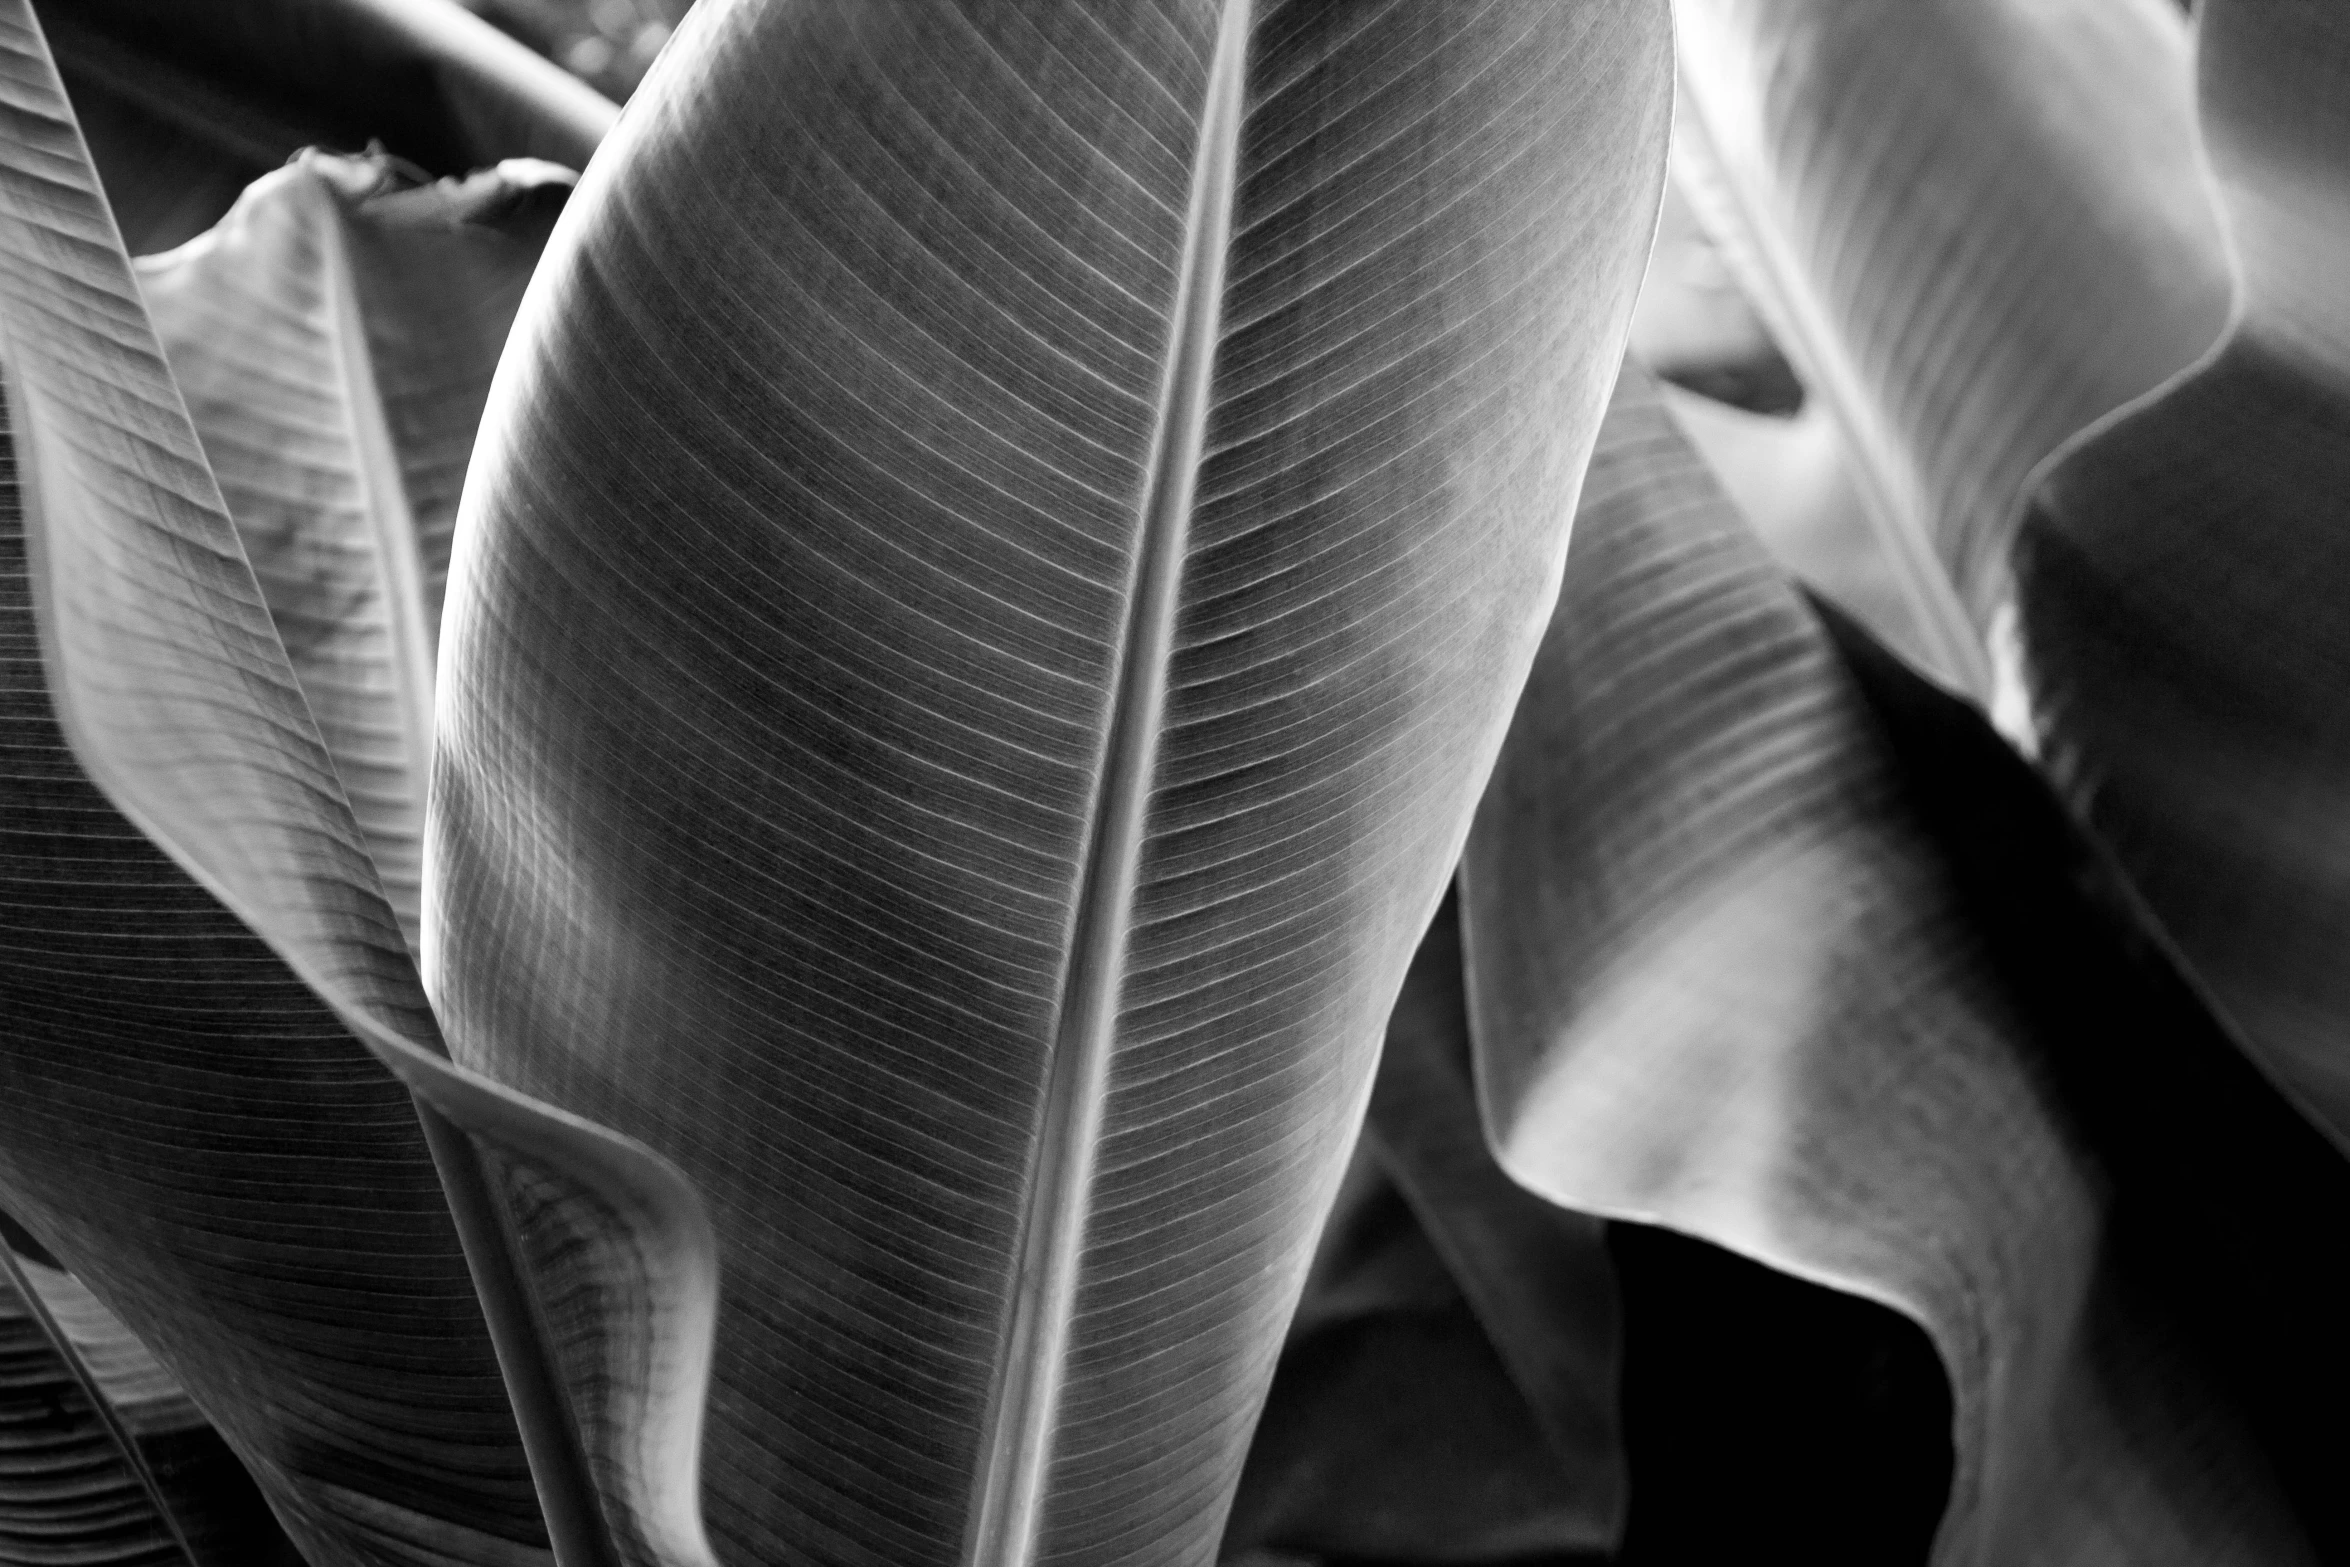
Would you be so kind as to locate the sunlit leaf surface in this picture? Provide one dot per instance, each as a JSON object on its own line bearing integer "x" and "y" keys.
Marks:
{"x": 1723, "y": 977}
{"x": 996, "y": 570}
{"x": 334, "y": 339}
{"x": 2185, "y": 578}
{"x": 1979, "y": 224}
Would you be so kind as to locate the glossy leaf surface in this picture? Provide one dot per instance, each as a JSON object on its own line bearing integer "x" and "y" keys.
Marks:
{"x": 2183, "y": 574}
{"x": 334, "y": 339}
{"x": 281, "y": 1240}
{"x": 1980, "y": 226}
{"x": 997, "y": 567}
{"x": 186, "y": 105}
{"x": 1723, "y": 979}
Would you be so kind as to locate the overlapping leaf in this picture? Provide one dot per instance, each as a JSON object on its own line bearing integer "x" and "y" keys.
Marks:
{"x": 334, "y": 339}
{"x": 281, "y": 1226}
{"x": 991, "y": 583}
{"x": 186, "y": 105}
{"x": 73, "y": 1486}
{"x": 1723, "y": 977}
{"x": 203, "y": 986}
{"x": 2183, "y": 577}
{"x": 1448, "y": 1390}
{"x": 1980, "y": 225}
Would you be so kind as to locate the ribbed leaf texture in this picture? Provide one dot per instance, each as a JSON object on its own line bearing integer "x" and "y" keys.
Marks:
{"x": 186, "y": 105}
{"x": 183, "y": 1119}
{"x": 1723, "y": 977}
{"x": 334, "y": 338}
{"x": 72, "y": 1494}
{"x": 998, "y": 562}
{"x": 1979, "y": 225}
{"x": 2183, "y": 575}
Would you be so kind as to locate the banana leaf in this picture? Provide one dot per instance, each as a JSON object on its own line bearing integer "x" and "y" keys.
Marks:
{"x": 334, "y": 339}
{"x": 1727, "y": 975}
{"x": 996, "y": 567}
{"x": 1977, "y": 227}
{"x": 1448, "y": 1388}
{"x": 2182, "y": 576}
{"x": 203, "y": 987}
{"x": 103, "y": 1458}
{"x": 186, "y": 105}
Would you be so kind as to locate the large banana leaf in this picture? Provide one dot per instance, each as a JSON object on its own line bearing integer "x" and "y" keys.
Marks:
{"x": 2183, "y": 576}
{"x": 280, "y": 1238}
{"x": 996, "y": 567}
{"x": 1724, "y": 978}
{"x": 334, "y": 338}
{"x": 186, "y": 104}
{"x": 204, "y": 984}
{"x": 1979, "y": 224}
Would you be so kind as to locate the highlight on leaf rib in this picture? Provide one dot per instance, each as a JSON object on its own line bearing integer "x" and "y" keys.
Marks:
{"x": 2183, "y": 573}
{"x": 186, "y": 105}
{"x": 835, "y": 601}
{"x": 1723, "y": 978}
{"x": 334, "y": 339}
{"x": 1968, "y": 276}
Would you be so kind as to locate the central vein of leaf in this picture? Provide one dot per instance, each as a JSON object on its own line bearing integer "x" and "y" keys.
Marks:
{"x": 1023, "y": 1414}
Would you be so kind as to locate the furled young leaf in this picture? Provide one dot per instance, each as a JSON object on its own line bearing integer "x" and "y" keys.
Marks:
{"x": 187, "y": 104}
{"x": 996, "y": 568}
{"x": 334, "y": 339}
{"x": 1980, "y": 225}
{"x": 1722, "y": 979}
{"x": 2184, "y": 577}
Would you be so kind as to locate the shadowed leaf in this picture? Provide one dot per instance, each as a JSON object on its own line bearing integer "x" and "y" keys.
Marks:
{"x": 2184, "y": 571}
{"x": 1979, "y": 224}
{"x": 1722, "y": 979}
{"x": 1448, "y": 1389}
{"x": 66, "y": 1493}
{"x": 997, "y": 567}
{"x": 1394, "y": 1432}
{"x": 187, "y": 104}
{"x": 334, "y": 339}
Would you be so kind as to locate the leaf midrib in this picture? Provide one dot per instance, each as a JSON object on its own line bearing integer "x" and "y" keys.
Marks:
{"x": 1015, "y": 1455}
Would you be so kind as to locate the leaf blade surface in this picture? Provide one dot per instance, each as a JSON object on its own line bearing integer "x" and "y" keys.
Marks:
{"x": 785, "y": 766}
{"x": 1722, "y": 979}
{"x": 2181, "y": 577}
